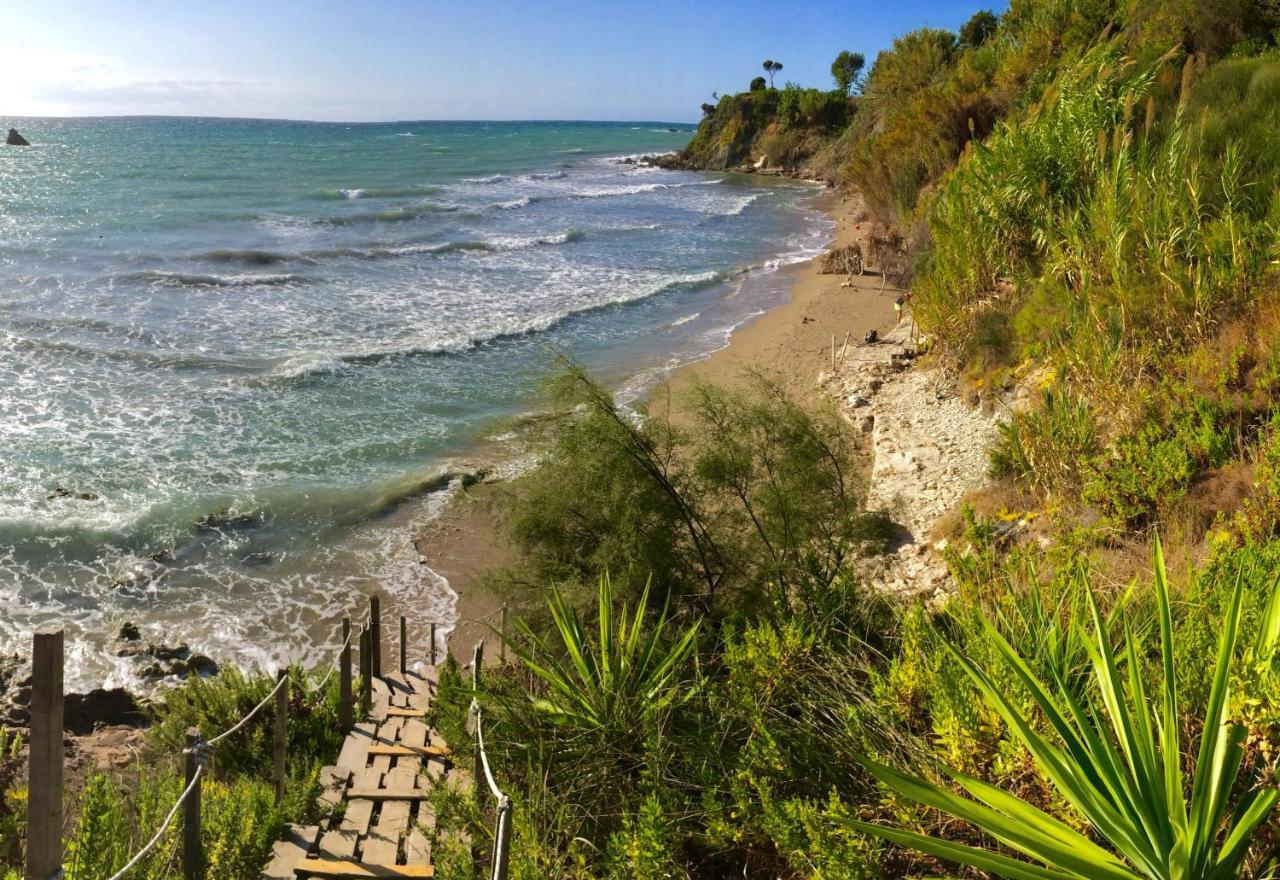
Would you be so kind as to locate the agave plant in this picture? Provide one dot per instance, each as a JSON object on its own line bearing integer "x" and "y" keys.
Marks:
{"x": 1124, "y": 776}
{"x": 629, "y": 670}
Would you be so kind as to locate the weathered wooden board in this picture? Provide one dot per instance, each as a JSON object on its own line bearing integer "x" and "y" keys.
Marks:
{"x": 285, "y": 853}
{"x": 352, "y": 869}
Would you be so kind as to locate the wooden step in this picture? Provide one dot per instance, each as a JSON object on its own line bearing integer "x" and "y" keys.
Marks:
{"x": 399, "y": 751}
{"x": 387, "y": 794}
{"x": 349, "y": 868}
{"x": 402, "y": 712}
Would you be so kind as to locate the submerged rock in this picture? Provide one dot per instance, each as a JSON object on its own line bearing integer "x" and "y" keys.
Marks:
{"x": 16, "y": 140}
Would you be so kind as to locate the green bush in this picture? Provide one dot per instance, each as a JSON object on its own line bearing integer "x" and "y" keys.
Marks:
{"x": 749, "y": 500}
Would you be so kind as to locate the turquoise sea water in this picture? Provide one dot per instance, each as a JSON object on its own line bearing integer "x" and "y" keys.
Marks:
{"x": 291, "y": 325}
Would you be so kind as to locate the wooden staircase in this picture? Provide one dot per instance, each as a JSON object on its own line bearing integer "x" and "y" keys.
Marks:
{"x": 381, "y": 780}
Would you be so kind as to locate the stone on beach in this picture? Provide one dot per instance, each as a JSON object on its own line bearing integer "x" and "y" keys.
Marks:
{"x": 16, "y": 140}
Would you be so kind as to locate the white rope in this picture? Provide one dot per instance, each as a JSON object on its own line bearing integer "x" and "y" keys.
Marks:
{"x": 337, "y": 661}
{"x": 164, "y": 826}
{"x": 254, "y": 711}
{"x": 484, "y": 756}
{"x": 202, "y": 750}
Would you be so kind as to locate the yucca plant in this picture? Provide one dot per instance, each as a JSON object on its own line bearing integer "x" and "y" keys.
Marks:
{"x": 628, "y": 670}
{"x": 1124, "y": 777}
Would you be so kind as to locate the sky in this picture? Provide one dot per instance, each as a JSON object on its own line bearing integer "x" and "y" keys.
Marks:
{"x": 383, "y": 60}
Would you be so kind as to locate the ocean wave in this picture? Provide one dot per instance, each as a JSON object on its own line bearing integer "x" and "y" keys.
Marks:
{"x": 497, "y": 243}
{"x": 393, "y": 215}
{"x": 545, "y": 175}
{"x": 163, "y": 278}
{"x": 492, "y": 178}
{"x": 249, "y": 257}
{"x": 374, "y": 192}
{"x": 685, "y": 320}
{"x": 522, "y": 202}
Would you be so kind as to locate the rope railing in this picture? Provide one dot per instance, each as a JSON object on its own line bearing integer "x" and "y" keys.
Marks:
{"x": 164, "y": 826}
{"x": 502, "y": 830}
{"x": 202, "y": 750}
{"x": 44, "y": 849}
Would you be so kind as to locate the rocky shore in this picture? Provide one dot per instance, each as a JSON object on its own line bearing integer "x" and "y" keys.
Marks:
{"x": 928, "y": 450}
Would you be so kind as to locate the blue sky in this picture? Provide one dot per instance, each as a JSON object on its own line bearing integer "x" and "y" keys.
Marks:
{"x": 397, "y": 59}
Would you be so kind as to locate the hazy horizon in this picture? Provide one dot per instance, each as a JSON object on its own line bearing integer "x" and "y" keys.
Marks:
{"x": 401, "y": 61}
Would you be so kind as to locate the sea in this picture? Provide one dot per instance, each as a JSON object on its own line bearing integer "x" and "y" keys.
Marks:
{"x": 236, "y": 355}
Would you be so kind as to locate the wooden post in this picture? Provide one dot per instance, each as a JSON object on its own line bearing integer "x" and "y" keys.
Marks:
{"x": 375, "y": 636}
{"x": 433, "y": 643}
{"x": 502, "y": 840}
{"x": 280, "y": 744}
{"x": 404, "y": 661}
{"x": 192, "y": 849}
{"x": 482, "y": 786}
{"x": 44, "y": 804}
{"x": 366, "y": 678}
{"x": 345, "y": 713}
{"x": 833, "y": 351}
{"x": 502, "y": 647}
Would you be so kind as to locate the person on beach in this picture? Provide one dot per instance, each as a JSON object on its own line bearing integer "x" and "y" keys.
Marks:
{"x": 897, "y": 307}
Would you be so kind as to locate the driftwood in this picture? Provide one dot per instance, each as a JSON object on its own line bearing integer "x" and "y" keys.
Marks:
{"x": 845, "y": 260}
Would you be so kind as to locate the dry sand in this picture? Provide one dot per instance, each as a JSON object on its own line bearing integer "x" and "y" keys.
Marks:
{"x": 791, "y": 343}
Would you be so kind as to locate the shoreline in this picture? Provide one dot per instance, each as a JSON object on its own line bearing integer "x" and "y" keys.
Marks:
{"x": 790, "y": 341}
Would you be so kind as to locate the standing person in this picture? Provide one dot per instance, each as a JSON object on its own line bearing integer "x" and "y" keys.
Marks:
{"x": 897, "y": 307}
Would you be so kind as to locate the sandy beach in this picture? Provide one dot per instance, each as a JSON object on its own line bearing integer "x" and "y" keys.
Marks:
{"x": 791, "y": 342}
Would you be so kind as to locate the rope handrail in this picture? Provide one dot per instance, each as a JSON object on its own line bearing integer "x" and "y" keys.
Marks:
{"x": 164, "y": 826}
{"x": 337, "y": 658}
{"x": 254, "y": 711}
{"x": 203, "y": 749}
{"x": 484, "y": 756}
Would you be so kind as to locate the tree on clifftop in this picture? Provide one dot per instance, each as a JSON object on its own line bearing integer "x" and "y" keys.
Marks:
{"x": 757, "y": 84}
{"x": 978, "y": 29}
{"x": 846, "y": 69}
{"x": 771, "y": 67}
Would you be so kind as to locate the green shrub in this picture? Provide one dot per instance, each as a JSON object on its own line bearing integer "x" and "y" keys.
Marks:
{"x": 1124, "y": 777}
{"x": 751, "y": 499}
{"x": 1152, "y": 466}
{"x": 1049, "y": 447}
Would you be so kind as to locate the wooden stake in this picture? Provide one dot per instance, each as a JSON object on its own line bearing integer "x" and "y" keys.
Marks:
{"x": 345, "y": 714}
{"x": 502, "y": 647}
{"x": 192, "y": 848}
{"x": 280, "y": 743}
{"x": 44, "y": 797}
{"x": 375, "y": 636}
{"x": 366, "y": 679}
{"x": 845, "y": 346}
{"x": 833, "y": 351}
{"x": 404, "y": 664}
{"x": 433, "y": 643}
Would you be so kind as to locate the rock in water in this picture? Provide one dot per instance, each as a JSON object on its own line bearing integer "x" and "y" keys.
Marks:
{"x": 16, "y": 140}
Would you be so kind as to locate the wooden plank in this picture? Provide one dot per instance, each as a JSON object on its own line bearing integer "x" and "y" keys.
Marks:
{"x": 417, "y": 848}
{"x": 414, "y": 733}
{"x": 355, "y": 749}
{"x": 403, "y": 751}
{"x": 339, "y": 843}
{"x": 286, "y": 852}
{"x": 334, "y": 780}
{"x": 382, "y": 846}
{"x": 389, "y": 732}
{"x": 401, "y": 712}
{"x": 387, "y": 794}
{"x": 356, "y": 818}
{"x": 347, "y": 868}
